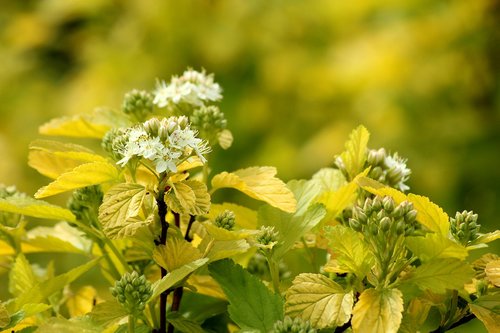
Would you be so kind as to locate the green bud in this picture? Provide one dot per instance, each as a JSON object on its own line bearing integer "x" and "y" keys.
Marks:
{"x": 84, "y": 204}
{"x": 367, "y": 207}
{"x": 376, "y": 157}
{"x": 114, "y": 142}
{"x": 385, "y": 224}
{"x": 355, "y": 225}
{"x": 377, "y": 204}
{"x": 376, "y": 173}
{"x": 208, "y": 119}
{"x": 295, "y": 325}
{"x": 464, "y": 227}
{"x": 388, "y": 204}
{"x": 132, "y": 291}
{"x": 411, "y": 216}
{"x": 372, "y": 228}
{"x": 138, "y": 103}
{"x": 152, "y": 126}
{"x": 400, "y": 227}
{"x": 225, "y": 220}
{"x": 267, "y": 236}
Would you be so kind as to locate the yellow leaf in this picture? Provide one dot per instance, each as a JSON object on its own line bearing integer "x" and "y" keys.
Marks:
{"x": 380, "y": 189}
{"x": 225, "y": 139}
{"x": 245, "y": 218}
{"x": 259, "y": 183}
{"x": 206, "y": 285}
{"x": 486, "y": 309}
{"x": 435, "y": 245}
{"x": 21, "y": 276}
{"x": 177, "y": 253}
{"x": 429, "y": 214}
{"x": 35, "y": 208}
{"x": 76, "y": 126}
{"x": 81, "y": 176}
{"x": 82, "y": 301}
{"x": 318, "y": 299}
{"x": 190, "y": 163}
{"x": 188, "y": 196}
{"x": 4, "y": 316}
{"x": 354, "y": 156}
{"x": 223, "y": 234}
{"x": 492, "y": 271}
{"x": 378, "y": 311}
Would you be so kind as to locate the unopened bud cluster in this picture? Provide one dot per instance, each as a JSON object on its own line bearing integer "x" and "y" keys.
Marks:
{"x": 295, "y": 325}
{"x": 114, "y": 142}
{"x": 138, "y": 103}
{"x": 225, "y": 220}
{"x": 209, "y": 121}
{"x": 84, "y": 203}
{"x": 383, "y": 216}
{"x": 10, "y": 219}
{"x": 132, "y": 291}
{"x": 464, "y": 227}
{"x": 267, "y": 236}
{"x": 388, "y": 169}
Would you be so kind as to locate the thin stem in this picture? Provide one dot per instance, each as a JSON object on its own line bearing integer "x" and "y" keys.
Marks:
{"x": 131, "y": 324}
{"x": 176, "y": 303}
{"x": 188, "y": 229}
{"x": 309, "y": 251}
{"x": 162, "y": 213}
{"x": 275, "y": 273}
{"x": 117, "y": 253}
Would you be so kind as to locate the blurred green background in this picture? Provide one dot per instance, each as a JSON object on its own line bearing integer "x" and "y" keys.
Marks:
{"x": 298, "y": 76}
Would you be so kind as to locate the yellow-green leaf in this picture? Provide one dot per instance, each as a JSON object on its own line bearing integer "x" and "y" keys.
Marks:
{"x": 21, "y": 276}
{"x": 354, "y": 156}
{"x": 76, "y": 126}
{"x": 378, "y": 311}
{"x": 225, "y": 138}
{"x": 318, "y": 299}
{"x": 380, "y": 189}
{"x": 487, "y": 309}
{"x": 435, "y": 245}
{"x": 224, "y": 249}
{"x": 487, "y": 238}
{"x": 59, "y": 238}
{"x": 222, "y": 234}
{"x": 177, "y": 253}
{"x": 4, "y": 316}
{"x": 259, "y": 183}
{"x": 82, "y": 301}
{"x": 429, "y": 214}
{"x": 188, "y": 197}
{"x": 492, "y": 272}
{"x": 35, "y": 208}
{"x": 349, "y": 250}
{"x": 121, "y": 204}
{"x": 244, "y": 217}
{"x": 83, "y": 175}
{"x": 52, "y": 158}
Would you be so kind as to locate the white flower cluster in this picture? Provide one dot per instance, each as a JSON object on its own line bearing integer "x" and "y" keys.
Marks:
{"x": 166, "y": 142}
{"x": 192, "y": 87}
{"x": 397, "y": 169}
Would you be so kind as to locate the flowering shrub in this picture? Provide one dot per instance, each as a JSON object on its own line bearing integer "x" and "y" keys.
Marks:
{"x": 347, "y": 249}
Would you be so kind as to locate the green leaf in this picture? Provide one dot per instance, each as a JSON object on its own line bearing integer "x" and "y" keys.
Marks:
{"x": 354, "y": 156}
{"x": 183, "y": 324}
{"x": 487, "y": 309}
{"x": 108, "y": 312}
{"x": 378, "y": 311}
{"x": 21, "y": 276}
{"x": 259, "y": 183}
{"x": 83, "y": 175}
{"x": 39, "y": 292}
{"x": 73, "y": 325}
{"x": 121, "y": 204}
{"x": 290, "y": 227}
{"x": 35, "y": 208}
{"x": 329, "y": 179}
{"x": 440, "y": 274}
{"x": 226, "y": 248}
{"x": 189, "y": 197}
{"x": 177, "y": 253}
{"x": 487, "y": 238}
{"x": 4, "y": 316}
{"x": 349, "y": 250}
{"x": 52, "y": 158}
{"x": 59, "y": 238}
{"x": 435, "y": 246}
{"x": 176, "y": 276}
{"x": 320, "y": 300}
{"x": 245, "y": 218}
{"x": 251, "y": 304}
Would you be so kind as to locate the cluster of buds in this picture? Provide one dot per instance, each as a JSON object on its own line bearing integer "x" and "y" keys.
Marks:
{"x": 192, "y": 88}
{"x": 165, "y": 142}
{"x": 84, "y": 204}
{"x": 388, "y": 169}
{"x": 295, "y": 325}
{"x": 138, "y": 104}
{"x": 225, "y": 220}
{"x": 133, "y": 292}
{"x": 209, "y": 121}
{"x": 381, "y": 216}
{"x": 10, "y": 219}
{"x": 114, "y": 142}
{"x": 267, "y": 237}
{"x": 464, "y": 227}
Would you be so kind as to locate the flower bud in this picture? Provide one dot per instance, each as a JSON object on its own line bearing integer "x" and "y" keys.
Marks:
{"x": 377, "y": 204}
{"x": 411, "y": 216}
{"x": 388, "y": 204}
{"x": 138, "y": 103}
{"x": 152, "y": 126}
{"x": 267, "y": 236}
{"x": 84, "y": 204}
{"x": 400, "y": 227}
{"x": 295, "y": 325}
{"x": 355, "y": 225}
{"x": 385, "y": 224}
{"x": 225, "y": 220}
{"x": 132, "y": 291}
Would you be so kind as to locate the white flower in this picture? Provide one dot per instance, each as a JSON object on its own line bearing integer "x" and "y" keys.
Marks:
{"x": 150, "y": 147}
{"x": 167, "y": 160}
{"x": 192, "y": 87}
{"x": 398, "y": 171}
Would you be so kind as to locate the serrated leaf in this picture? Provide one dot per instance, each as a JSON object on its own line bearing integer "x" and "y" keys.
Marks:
{"x": 52, "y": 158}
{"x": 177, "y": 253}
{"x": 188, "y": 197}
{"x": 259, "y": 183}
{"x": 176, "y": 276}
{"x": 73, "y": 325}
{"x": 380, "y": 189}
{"x": 4, "y": 316}
{"x": 354, "y": 156}
{"x": 435, "y": 246}
{"x": 487, "y": 238}
{"x": 349, "y": 250}
{"x": 440, "y": 274}
{"x": 487, "y": 309}
{"x": 21, "y": 276}
{"x": 226, "y": 248}
{"x": 83, "y": 175}
{"x": 318, "y": 299}
{"x": 35, "y": 208}
{"x": 202, "y": 198}
{"x": 492, "y": 272}
{"x": 76, "y": 126}
{"x": 108, "y": 312}
{"x": 251, "y": 304}
{"x": 82, "y": 301}
{"x": 245, "y": 218}
{"x": 225, "y": 139}
{"x": 429, "y": 214}
{"x": 378, "y": 311}
{"x": 60, "y": 238}
{"x": 120, "y": 205}
{"x": 329, "y": 179}
{"x": 42, "y": 290}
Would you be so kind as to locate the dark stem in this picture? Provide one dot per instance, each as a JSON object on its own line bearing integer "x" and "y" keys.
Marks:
{"x": 162, "y": 213}
{"x": 188, "y": 230}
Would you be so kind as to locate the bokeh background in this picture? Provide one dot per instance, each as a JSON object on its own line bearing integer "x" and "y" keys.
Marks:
{"x": 298, "y": 76}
